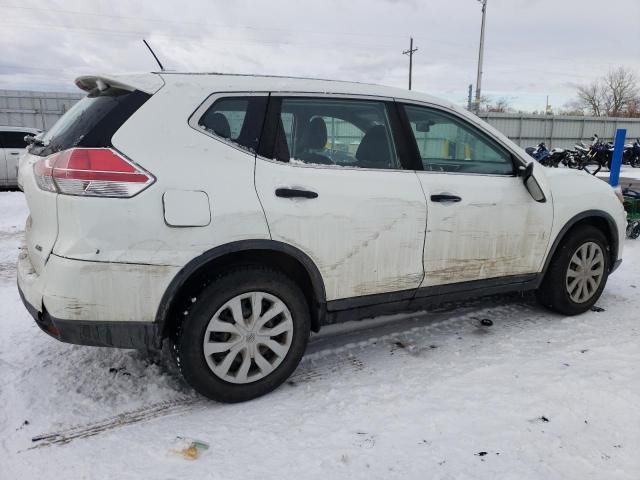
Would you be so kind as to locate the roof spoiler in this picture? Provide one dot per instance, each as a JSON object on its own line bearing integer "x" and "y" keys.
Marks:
{"x": 146, "y": 82}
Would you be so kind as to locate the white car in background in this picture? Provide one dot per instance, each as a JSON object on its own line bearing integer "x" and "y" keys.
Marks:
{"x": 230, "y": 215}
{"x": 12, "y": 145}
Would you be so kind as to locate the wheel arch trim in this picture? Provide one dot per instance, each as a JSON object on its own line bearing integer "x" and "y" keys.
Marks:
{"x": 573, "y": 221}
{"x": 179, "y": 280}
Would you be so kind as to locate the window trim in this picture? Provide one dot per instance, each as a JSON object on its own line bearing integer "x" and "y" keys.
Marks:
{"x": 197, "y": 114}
{"x": 403, "y": 154}
{"x": 408, "y": 138}
{"x": 515, "y": 159}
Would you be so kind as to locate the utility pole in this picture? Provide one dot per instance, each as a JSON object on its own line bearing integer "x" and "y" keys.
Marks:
{"x": 546, "y": 107}
{"x": 470, "y": 100}
{"x": 480, "y": 57}
{"x": 410, "y": 52}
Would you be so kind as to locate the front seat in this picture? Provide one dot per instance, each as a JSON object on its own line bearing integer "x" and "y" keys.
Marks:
{"x": 374, "y": 150}
{"x": 314, "y": 138}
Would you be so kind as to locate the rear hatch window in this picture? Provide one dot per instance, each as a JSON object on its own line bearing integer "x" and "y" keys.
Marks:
{"x": 89, "y": 123}
{"x": 92, "y": 121}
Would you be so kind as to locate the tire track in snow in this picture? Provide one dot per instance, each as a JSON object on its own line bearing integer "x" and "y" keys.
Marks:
{"x": 61, "y": 437}
{"x": 327, "y": 355}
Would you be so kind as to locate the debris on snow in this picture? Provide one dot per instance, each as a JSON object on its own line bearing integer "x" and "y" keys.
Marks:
{"x": 541, "y": 418}
{"x": 365, "y": 440}
{"x": 24, "y": 424}
{"x": 189, "y": 449}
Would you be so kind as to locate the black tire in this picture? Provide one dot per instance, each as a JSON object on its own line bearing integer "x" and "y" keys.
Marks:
{"x": 553, "y": 292}
{"x": 187, "y": 345}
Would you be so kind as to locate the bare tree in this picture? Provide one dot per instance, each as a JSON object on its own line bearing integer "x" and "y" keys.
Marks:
{"x": 621, "y": 88}
{"x": 633, "y": 108}
{"x": 616, "y": 94}
{"x": 501, "y": 105}
{"x": 591, "y": 97}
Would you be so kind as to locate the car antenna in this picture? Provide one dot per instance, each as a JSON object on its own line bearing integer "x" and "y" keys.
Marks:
{"x": 154, "y": 55}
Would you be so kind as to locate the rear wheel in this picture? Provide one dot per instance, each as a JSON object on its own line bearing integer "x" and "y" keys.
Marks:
{"x": 244, "y": 335}
{"x": 578, "y": 272}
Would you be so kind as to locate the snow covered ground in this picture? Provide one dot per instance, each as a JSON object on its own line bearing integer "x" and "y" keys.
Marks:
{"x": 437, "y": 395}
{"x": 627, "y": 173}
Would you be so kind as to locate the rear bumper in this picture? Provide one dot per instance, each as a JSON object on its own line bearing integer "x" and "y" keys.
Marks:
{"x": 95, "y": 303}
{"x": 138, "y": 335}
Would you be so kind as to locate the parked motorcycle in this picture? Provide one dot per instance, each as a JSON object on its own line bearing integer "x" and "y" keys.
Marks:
{"x": 602, "y": 152}
{"x": 591, "y": 158}
{"x": 539, "y": 153}
{"x": 558, "y": 156}
{"x": 632, "y": 153}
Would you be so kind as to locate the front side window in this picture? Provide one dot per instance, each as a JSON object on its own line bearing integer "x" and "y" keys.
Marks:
{"x": 335, "y": 132}
{"x": 237, "y": 119}
{"x": 448, "y": 144}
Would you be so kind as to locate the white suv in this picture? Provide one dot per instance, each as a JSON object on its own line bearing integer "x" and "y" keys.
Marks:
{"x": 231, "y": 215}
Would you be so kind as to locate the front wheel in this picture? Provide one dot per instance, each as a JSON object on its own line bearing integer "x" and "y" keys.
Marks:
{"x": 244, "y": 335}
{"x": 578, "y": 272}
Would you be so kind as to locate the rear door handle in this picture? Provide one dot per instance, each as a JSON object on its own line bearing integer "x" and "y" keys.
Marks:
{"x": 445, "y": 197}
{"x": 14, "y": 153}
{"x": 295, "y": 193}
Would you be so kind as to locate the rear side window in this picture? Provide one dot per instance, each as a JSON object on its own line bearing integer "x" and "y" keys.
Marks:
{"x": 335, "y": 132}
{"x": 92, "y": 121}
{"x": 237, "y": 119}
{"x": 13, "y": 139}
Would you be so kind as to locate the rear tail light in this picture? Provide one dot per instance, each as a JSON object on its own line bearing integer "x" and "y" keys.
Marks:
{"x": 94, "y": 172}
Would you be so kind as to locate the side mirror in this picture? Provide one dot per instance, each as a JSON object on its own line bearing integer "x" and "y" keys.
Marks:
{"x": 532, "y": 185}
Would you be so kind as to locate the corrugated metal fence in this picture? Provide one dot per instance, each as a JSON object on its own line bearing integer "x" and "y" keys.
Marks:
{"x": 559, "y": 131}
{"x": 41, "y": 110}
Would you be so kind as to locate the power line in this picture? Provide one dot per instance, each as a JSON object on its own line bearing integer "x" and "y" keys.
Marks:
{"x": 139, "y": 33}
{"x": 215, "y": 27}
{"x": 209, "y": 24}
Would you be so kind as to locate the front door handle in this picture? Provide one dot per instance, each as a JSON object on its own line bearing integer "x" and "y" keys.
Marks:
{"x": 295, "y": 193}
{"x": 445, "y": 197}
